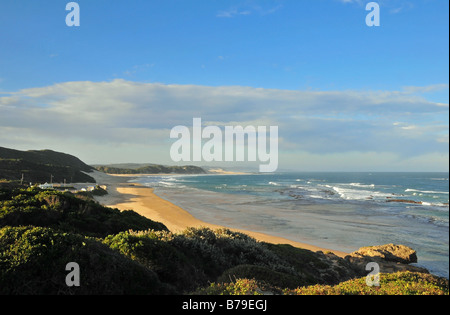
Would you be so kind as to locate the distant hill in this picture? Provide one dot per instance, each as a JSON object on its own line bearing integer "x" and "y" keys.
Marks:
{"x": 148, "y": 169}
{"x": 42, "y": 166}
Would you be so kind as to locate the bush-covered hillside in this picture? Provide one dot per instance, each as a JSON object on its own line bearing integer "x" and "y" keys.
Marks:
{"x": 33, "y": 261}
{"x": 400, "y": 283}
{"x": 66, "y": 212}
{"x": 125, "y": 253}
{"x": 42, "y": 166}
{"x": 151, "y": 169}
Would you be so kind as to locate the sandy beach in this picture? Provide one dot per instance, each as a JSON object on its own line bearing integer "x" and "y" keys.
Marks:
{"x": 124, "y": 195}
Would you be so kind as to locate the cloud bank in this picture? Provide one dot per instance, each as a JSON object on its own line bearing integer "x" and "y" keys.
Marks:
{"x": 125, "y": 121}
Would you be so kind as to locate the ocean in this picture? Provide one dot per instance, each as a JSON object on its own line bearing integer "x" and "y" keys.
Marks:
{"x": 339, "y": 211}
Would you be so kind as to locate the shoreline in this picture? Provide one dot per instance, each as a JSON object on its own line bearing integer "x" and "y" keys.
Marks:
{"x": 124, "y": 195}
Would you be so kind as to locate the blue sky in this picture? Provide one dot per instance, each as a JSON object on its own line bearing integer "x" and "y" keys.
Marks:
{"x": 349, "y": 96}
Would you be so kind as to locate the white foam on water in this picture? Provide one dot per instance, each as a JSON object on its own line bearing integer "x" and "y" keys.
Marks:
{"x": 358, "y": 194}
{"x": 362, "y": 185}
{"x": 426, "y": 191}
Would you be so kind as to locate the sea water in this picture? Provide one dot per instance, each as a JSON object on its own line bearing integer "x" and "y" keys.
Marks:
{"x": 338, "y": 211}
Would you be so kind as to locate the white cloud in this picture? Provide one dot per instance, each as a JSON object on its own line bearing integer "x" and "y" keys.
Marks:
{"x": 232, "y": 12}
{"x": 122, "y": 117}
{"x": 248, "y": 9}
{"x": 425, "y": 89}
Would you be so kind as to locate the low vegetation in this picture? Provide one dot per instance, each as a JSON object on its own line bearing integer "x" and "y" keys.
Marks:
{"x": 401, "y": 283}
{"x": 68, "y": 213}
{"x": 33, "y": 261}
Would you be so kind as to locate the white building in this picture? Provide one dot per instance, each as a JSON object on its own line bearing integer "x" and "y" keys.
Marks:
{"x": 46, "y": 186}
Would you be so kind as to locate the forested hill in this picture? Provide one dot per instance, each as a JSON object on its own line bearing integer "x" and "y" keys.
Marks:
{"x": 149, "y": 169}
{"x": 42, "y": 166}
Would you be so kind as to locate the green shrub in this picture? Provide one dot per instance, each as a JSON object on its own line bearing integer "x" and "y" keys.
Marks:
{"x": 33, "y": 261}
{"x": 169, "y": 263}
{"x": 314, "y": 267}
{"x": 260, "y": 274}
{"x": 239, "y": 287}
{"x": 401, "y": 283}
{"x": 193, "y": 258}
{"x": 98, "y": 191}
{"x": 66, "y": 212}
{"x": 222, "y": 249}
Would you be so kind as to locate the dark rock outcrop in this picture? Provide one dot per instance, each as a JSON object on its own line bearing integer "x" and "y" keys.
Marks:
{"x": 404, "y": 201}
